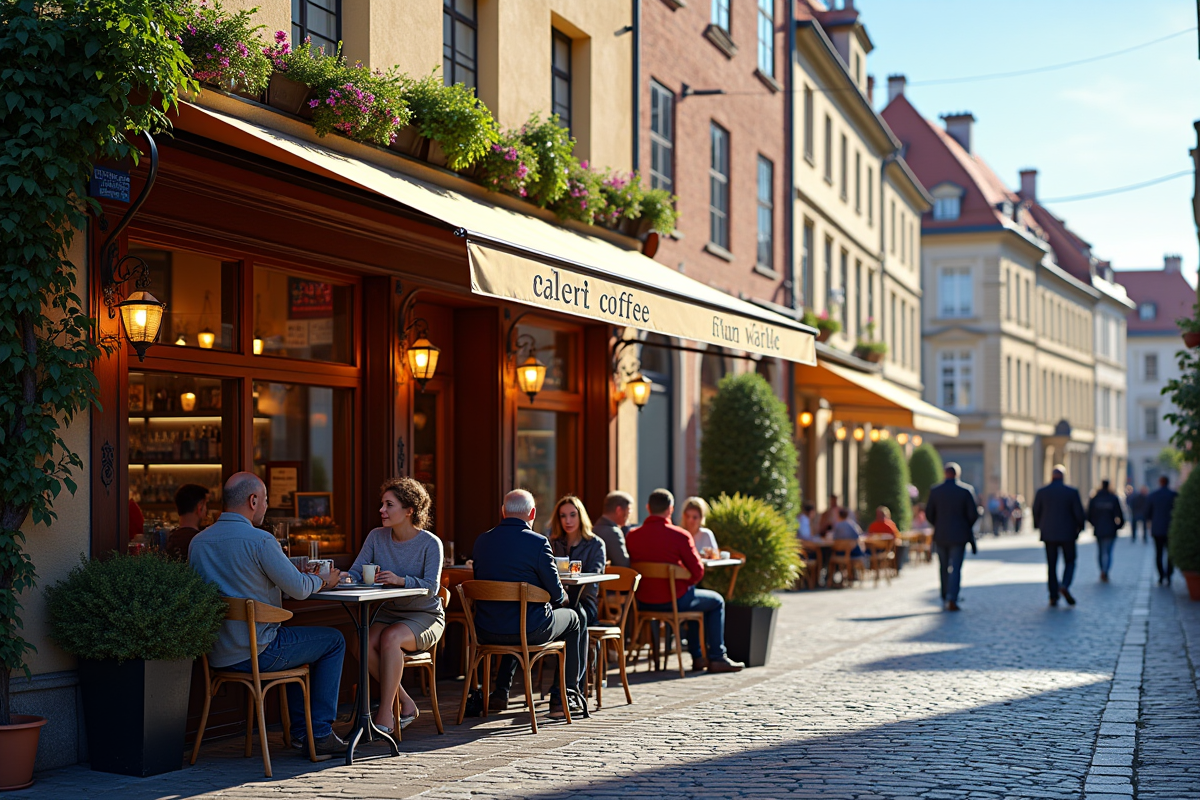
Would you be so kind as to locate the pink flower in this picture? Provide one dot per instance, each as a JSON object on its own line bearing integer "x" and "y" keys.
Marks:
{"x": 281, "y": 37}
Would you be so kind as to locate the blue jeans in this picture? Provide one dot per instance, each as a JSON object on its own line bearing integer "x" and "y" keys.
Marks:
{"x": 1104, "y": 547}
{"x": 1052, "y": 580}
{"x": 950, "y": 560}
{"x": 712, "y": 605}
{"x": 323, "y": 648}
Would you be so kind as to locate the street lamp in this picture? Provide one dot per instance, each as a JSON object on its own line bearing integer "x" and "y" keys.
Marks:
{"x": 141, "y": 314}
{"x": 531, "y": 375}
{"x": 639, "y": 390}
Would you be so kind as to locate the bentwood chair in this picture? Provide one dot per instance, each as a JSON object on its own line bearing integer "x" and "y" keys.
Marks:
{"x": 881, "y": 557}
{"x": 842, "y": 560}
{"x": 427, "y": 663}
{"x": 618, "y": 599}
{"x": 810, "y": 556}
{"x": 527, "y": 655}
{"x": 673, "y": 619}
{"x": 257, "y": 683}
{"x": 454, "y": 612}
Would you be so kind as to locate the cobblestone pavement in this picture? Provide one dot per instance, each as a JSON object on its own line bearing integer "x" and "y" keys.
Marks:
{"x": 872, "y": 692}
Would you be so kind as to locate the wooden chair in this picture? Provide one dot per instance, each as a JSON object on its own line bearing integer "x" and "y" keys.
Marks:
{"x": 257, "y": 683}
{"x": 673, "y": 618}
{"x": 921, "y": 544}
{"x": 427, "y": 663}
{"x": 618, "y": 598}
{"x": 810, "y": 555}
{"x": 843, "y": 560}
{"x": 881, "y": 555}
{"x": 527, "y": 655}
{"x": 454, "y": 611}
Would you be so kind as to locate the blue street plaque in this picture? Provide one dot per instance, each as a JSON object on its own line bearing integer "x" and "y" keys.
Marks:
{"x": 109, "y": 184}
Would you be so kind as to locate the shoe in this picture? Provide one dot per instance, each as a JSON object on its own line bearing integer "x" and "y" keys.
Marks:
{"x": 725, "y": 664}
{"x": 574, "y": 703}
{"x": 406, "y": 721}
{"x": 952, "y": 606}
{"x": 1104, "y": 577}
{"x": 699, "y": 664}
{"x": 1067, "y": 596}
{"x": 498, "y": 700}
{"x": 1054, "y": 602}
{"x": 326, "y": 748}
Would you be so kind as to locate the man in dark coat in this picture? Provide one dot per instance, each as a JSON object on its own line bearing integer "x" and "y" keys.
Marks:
{"x": 1104, "y": 512}
{"x": 1159, "y": 506}
{"x": 1137, "y": 510}
{"x": 1058, "y": 514}
{"x": 952, "y": 510}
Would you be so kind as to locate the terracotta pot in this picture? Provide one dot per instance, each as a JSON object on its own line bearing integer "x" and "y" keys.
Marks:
{"x": 869, "y": 355}
{"x": 18, "y": 749}
{"x": 1192, "y": 339}
{"x": 1193, "y": 584}
{"x": 823, "y": 334}
{"x": 410, "y": 142}
{"x": 288, "y": 95}
{"x": 436, "y": 155}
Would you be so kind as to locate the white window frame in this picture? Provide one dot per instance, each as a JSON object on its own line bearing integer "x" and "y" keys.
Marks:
{"x": 956, "y": 379}
{"x": 766, "y": 37}
{"x": 956, "y": 293}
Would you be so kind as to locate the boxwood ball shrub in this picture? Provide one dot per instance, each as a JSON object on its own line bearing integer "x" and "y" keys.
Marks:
{"x": 128, "y": 607}
{"x": 886, "y": 476}
{"x": 1183, "y": 539}
{"x": 752, "y": 527}
{"x": 747, "y": 445}
{"x": 925, "y": 468}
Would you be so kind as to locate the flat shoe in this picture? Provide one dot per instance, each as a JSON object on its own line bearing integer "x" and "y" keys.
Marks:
{"x": 406, "y": 721}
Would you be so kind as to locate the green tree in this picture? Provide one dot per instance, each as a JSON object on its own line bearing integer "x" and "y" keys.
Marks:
{"x": 747, "y": 445}
{"x": 1183, "y": 539}
{"x": 1170, "y": 459}
{"x": 1184, "y": 392}
{"x": 76, "y": 78}
{"x": 925, "y": 467}
{"x": 887, "y": 482}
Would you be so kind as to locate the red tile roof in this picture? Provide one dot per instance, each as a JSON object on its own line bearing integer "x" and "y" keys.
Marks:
{"x": 1169, "y": 290}
{"x": 1070, "y": 251}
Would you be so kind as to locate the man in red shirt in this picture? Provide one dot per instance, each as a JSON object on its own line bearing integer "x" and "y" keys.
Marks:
{"x": 659, "y": 541}
{"x": 883, "y": 522}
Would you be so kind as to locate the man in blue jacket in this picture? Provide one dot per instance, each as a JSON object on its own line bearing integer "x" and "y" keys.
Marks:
{"x": 1058, "y": 514}
{"x": 1104, "y": 512}
{"x": 1159, "y": 507}
{"x": 513, "y": 552}
{"x": 953, "y": 511}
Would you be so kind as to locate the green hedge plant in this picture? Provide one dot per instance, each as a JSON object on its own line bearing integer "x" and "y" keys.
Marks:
{"x": 453, "y": 117}
{"x": 926, "y": 470}
{"x": 552, "y": 146}
{"x": 751, "y": 526}
{"x": 887, "y": 479}
{"x": 224, "y": 47}
{"x": 1183, "y": 538}
{"x": 747, "y": 445}
{"x": 658, "y": 208}
{"x": 142, "y": 606}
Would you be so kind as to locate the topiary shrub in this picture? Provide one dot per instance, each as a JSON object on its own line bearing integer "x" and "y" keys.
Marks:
{"x": 129, "y": 607}
{"x": 747, "y": 446}
{"x": 887, "y": 480}
{"x": 925, "y": 468}
{"x": 752, "y": 527}
{"x": 1183, "y": 539}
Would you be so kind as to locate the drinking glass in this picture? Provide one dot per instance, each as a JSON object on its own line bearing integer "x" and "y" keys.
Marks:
{"x": 448, "y": 554}
{"x": 576, "y": 568}
{"x": 314, "y": 548}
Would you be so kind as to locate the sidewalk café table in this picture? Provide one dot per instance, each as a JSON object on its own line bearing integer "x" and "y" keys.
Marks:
{"x": 736, "y": 563}
{"x": 364, "y": 597}
{"x": 585, "y": 578}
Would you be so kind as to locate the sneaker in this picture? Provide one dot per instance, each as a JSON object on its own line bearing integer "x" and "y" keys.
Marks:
{"x": 326, "y": 748}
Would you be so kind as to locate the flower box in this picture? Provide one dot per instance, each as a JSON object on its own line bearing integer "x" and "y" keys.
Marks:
{"x": 1192, "y": 339}
{"x": 288, "y": 95}
{"x": 409, "y": 141}
{"x": 436, "y": 155}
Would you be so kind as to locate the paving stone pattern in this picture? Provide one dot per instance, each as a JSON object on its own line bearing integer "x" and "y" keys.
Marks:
{"x": 872, "y": 692}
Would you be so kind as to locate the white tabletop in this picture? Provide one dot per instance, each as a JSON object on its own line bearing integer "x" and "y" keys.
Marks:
{"x": 366, "y": 595}
{"x": 585, "y": 578}
{"x": 722, "y": 562}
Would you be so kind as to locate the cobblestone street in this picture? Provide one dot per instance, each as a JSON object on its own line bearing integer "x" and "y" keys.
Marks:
{"x": 871, "y": 693}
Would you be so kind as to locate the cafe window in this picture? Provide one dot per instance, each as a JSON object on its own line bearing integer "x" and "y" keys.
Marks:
{"x": 201, "y": 296}
{"x": 555, "y": 349}
{"x": 300, "y": 317}
{"x": 560, "y": 77}
{"x": 460, "y": 35}
{"x": 319, "y": 21}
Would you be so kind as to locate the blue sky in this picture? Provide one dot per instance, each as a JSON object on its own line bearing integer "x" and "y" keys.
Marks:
{"x": 1086, "y": 128}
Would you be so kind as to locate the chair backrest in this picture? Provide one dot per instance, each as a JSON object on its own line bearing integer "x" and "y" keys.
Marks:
{"x": 238, "y": 609}
{"x": 452, "y": 578}
{"x": 842, "y": 548}
{"x": 660, "y": 571}
{"x": 473, "y": 591}
{"x": 444, "y": 596}
{"x": 618, "y": 595}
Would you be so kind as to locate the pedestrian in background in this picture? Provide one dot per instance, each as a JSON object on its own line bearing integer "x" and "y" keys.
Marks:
{"x": 953, "y": 511}
{"x": 1104, "y": 512}
{"x": 1137, "y": 510}
{"x": 1159, "y": 505}
{"x": 1058, "y": 514}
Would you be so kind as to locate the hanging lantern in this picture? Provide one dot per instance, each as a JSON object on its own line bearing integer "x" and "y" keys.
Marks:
{"x": 839, "y": 433}
{"x": 874, "y": 434}
{"x": 639, "y": 390}
{"x": 859, "y": 433}
{"x": 806, "y": 419}
{"x": 884, "y": 433}
{"x": 422, "y": 359}
{"x": 531, "y": 375}
{"x": 258, "y": 345}
{"x": 141, "y": 314}
{"x": 902, "y": 438}
{"x": 206, "y": 338}
{"x": 916, "y": 440}
{"x": 187, "y": 401}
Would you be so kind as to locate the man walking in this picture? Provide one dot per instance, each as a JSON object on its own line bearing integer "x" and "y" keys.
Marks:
{"x": 1058, "y": 514}
{"x": 1159, "y": 505}
{"x": 953, "y": 511}
{"x": 1137, "y": 510}
{"x": 1104, "y": 512}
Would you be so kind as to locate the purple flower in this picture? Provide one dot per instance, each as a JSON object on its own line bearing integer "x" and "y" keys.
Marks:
{"x": 281, "y": 37}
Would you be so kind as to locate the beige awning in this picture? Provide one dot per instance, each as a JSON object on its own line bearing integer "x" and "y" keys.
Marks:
{"x": 859, "y": 397}
{"x": 522, "y": 258}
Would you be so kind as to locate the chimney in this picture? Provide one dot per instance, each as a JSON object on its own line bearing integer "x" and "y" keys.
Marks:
{"x": 1029, "y": 184}
{"x": 959, "y": 125}
{"x": 896, "y": 86}
{"x": 1172, "y": 263}
{"x": 871, "y": 90}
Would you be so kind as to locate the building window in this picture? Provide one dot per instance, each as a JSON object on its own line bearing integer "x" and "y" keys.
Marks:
{"x": 1151, "y": 366}
{"x": 720, "y": 14}
{"x": 871, "y": 295}
{"x": 766, "y": 213}
{"x": 845, "y": 293}
{"x": 1147, "y": 311}
{"x": 319, "y": 21}
{"x": 806, "y": 265}
{"x": 903, "y": 238}
{"x": 809, "y": 122}
{"x": 766, "y": 36}
{"x": 858, "y": 293}
{"x": 662, "y": 137}
{"x": 1151, "y": 414}
{"x": 845, "y": 167}
{"x": 858, "y": 183}
{"x": 957, "y": 367}
{"x": 560, "y": 77}
{"x": 718, "y": 183}
{"x": 460, "y": 48}
{"x": 828, "y": 149}
{"x": 955, "y": 292}
{"x": 829, "y": 291}
{"x": 946, "y": 207}
{"x": 892, "y": 322}
{"x": 870, "y": 196}
{"x": 892, "y": 231}
{"x": 1008, "y": 385}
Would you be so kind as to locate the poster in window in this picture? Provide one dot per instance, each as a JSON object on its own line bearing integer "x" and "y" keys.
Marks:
{"x": 309, "y": 299}
{"x": 283, "y": 480}
{"x": 314, "y": 505}
{"x": 297, "y": 333}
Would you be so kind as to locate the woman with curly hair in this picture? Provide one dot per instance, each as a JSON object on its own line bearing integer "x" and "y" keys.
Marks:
{"x": 571, "y": 536}
{"x": 407, "y": 555}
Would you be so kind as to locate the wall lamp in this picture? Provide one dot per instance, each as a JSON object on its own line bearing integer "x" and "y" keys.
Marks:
{"x": 530, "y": 372}
{"x": 628, "y": 376}
{"x": 421, "y": 356}
{"x": 806, "y": 419}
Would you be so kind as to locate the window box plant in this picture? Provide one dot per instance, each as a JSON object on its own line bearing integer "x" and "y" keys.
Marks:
{"x": 583, "y": 199}
{"x": 224, "y": 49}
{"x": 658, "y": 213}
{"x": 136, "y": 623}
{"x": 870, "y": 350}
{"x": 1190, "y": 328}
{"x": 826, "y": 326}
{"x": 460, "y": 129}
{"x": 1183, "y": 539}
{"x": 510, "y": 165}
{"x": 297, "y": 73}
{"x": 552, "y": 146}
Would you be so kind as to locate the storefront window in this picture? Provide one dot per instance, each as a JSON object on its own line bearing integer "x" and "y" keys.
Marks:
{"x": 299, "y": 317}
{"x": 555, "y": 350}
{"x": 545, "y": 459}
{"x": 200, "y": 293}
{"x": 179, "y": 431}
{"x": 303, "y": 451}
{"x": 425, "y": 448}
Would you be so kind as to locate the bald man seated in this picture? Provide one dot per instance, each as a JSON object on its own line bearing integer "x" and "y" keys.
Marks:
{"x": 246, "y": 561}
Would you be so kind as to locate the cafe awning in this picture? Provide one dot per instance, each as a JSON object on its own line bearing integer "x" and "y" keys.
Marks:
{"x": 859, "y": 397}
{"x": 522, "y": 258}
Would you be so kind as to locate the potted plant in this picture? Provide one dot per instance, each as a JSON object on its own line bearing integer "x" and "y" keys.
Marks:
{"x": 460, "y": 129}
{"x": 622, "y": 194}
{"x": 297, "y": 73}
{"x": 582, "y": 201}
{"x": 870, "y": 350}
{"x": 826, "y": 326}
{"x": 510, "y": 166}
{"x": 658, "y": 210}
{"x": 1190, "y": 328}
{"x": 136, "y": 623}
{"x": 767, "y": 540}
{"x": 1183, "y": 538}
{"x": 552, "y": 146}
{"x": 225, "y": 49}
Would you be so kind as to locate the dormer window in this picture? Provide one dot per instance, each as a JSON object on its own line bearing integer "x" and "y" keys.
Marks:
{"x": 1147, "y": 310}
{"x": 947, "y": 201}
{"x": 1006, "y": 208}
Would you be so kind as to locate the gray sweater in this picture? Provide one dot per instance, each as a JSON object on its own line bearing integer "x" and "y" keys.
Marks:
{"x": 244, "y": 561}
{"x": 418, "y": 560}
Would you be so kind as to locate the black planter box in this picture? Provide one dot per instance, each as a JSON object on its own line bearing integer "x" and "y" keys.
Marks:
{"x": 135, "y": 713}
{"x": 748, "y": 633}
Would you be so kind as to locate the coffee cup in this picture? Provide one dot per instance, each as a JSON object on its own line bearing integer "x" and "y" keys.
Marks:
{"x": 563, "y": 563}
{"x": 725, "y": 554}
{"x": 369, "y": 571}
{"x": 324, "y": 565}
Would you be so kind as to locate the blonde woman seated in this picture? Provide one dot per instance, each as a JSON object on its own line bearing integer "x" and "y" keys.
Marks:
{"x": 691, "y": 519}
{"x": 571, "y": 537}
{"x": 407, "y": 555}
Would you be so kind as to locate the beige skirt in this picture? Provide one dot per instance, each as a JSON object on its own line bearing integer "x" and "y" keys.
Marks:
{"x": 426, "y": 627}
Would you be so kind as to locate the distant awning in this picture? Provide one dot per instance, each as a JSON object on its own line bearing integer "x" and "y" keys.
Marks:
{"x": 858, "y": 397}
{"x": 522, "y": 258}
